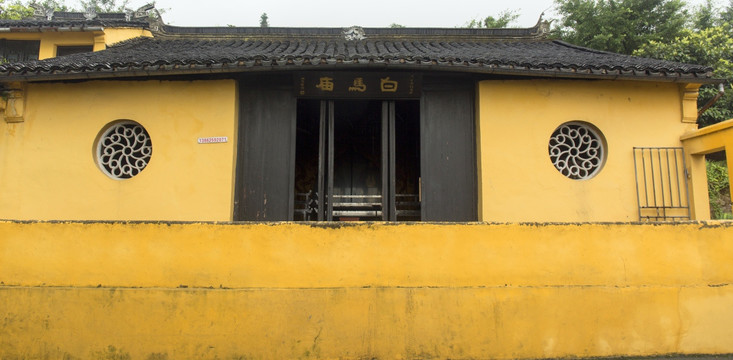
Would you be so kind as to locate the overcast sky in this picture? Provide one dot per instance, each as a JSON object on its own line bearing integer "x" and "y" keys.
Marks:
{"x": 370, "y": 13}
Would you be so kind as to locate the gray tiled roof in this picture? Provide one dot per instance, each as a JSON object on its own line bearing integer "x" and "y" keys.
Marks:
{"x": 228, "y": 50}
{"x": 72, "y": 20}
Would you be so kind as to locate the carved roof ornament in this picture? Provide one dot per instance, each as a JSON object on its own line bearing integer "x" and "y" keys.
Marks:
{"x": 90, "y": 13}
{"x": 354, "y": 33}
{"x": 43, "y": 12}
{"x": 543, "y": 26}
{"x": 145, "y": 10}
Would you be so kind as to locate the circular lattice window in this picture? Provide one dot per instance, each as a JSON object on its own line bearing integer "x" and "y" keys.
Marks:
{"x": 124, "y": 149}
{"x": 577, "y": 150}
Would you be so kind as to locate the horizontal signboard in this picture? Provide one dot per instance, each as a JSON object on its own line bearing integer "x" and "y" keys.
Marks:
{"x": 357, "y": 85}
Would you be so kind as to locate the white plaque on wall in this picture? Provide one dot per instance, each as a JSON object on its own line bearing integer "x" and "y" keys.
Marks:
{"x": 213, "y": 140}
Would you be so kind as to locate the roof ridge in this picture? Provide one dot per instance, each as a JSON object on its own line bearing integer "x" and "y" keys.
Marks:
{"x": 535, "y": 32}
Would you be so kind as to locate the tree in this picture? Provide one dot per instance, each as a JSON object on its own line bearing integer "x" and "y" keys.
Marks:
{"x": 704, "y": 15}
{"x": 726, "y": 16}
{"x": 104, "y": 5}
{"x": 503, "y": 20}
{"x": 263, "y": 21}
{"x": 712, "y": 47}
{"x": 620, "y": 26}
{"x": 14, "y": 10}
{"x": 18, "y": 9}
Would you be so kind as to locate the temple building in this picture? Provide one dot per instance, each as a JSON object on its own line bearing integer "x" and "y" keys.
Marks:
{"x": 234, "y": 192}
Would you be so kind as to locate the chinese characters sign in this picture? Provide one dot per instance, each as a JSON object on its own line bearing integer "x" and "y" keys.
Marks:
{"x": 357, "y": 85}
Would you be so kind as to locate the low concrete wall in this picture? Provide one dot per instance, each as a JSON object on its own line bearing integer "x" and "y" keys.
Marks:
{"x": 230, "y": 291}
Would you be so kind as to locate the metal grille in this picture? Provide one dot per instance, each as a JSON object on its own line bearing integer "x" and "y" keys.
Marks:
{"x": 661, "y": 183}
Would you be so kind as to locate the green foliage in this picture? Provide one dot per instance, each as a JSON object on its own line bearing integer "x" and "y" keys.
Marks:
{"x": 18, "y": 9}
{"x": 104, "y": 5}
{"x": 712, "y": 47}
{"x": 396, "y": 26}
{"x": 263, "y": 21}
{"x": 14, "y": 10}
{"x": 705, "y": 15}
{"x": 56, "y": 5}
{"x": 502, "y": 20}
{"x": 726, "y": 16}
{"x": 718, "y": 189}
{"x": 620, "y": 26}
{"x": 660, "y": 29}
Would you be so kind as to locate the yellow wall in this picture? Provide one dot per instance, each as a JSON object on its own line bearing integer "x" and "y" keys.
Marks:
{"x": 518, "y": 182}
{"x": 115, "y": 35}
{"x": 48, "y": 169}
{"x": 205, "y": 291}
{"x": 188, "y": 181}
{"x": 714, "y": 138}
{"x": 50, "y": 41}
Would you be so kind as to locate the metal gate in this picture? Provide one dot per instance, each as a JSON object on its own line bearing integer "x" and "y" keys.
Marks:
{"x": 661, "y": 184}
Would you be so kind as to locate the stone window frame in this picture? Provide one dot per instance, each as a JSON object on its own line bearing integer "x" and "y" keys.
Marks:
{"x": 578, "y": 150}
{"x": 123, "y": 149}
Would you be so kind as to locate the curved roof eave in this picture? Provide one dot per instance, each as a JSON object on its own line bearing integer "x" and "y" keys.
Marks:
{"x": 161, "y": 70}
{"x": 512, "y": 52}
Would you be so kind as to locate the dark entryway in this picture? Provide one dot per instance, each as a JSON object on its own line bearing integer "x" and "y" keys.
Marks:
{"x": 367, "y": 159}
{"x": 357, "y": 160}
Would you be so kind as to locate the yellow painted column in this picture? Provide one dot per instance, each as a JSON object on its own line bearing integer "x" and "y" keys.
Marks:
{"x": 698, "y": 180}
{"x": 729, "y": 162}
{"x": 99, "y": 42}
{"x": 47, "y": 50}
{"x": 479, "y": 164}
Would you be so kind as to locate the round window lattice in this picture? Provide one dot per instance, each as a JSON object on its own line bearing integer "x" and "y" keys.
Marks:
{"x": 124, "y": 150}
{"x": 577, "y": 150}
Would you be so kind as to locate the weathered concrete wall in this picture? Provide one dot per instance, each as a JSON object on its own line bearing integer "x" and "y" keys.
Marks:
{"x": 206, "y": 290}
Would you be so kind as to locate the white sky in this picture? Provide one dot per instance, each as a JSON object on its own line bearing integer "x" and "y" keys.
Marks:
{"x": 370, "y": 13}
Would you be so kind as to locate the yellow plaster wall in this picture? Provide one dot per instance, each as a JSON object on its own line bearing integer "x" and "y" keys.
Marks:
{"x": 48, "y": 169}
{"x": 363, "y": 291}
{"x": 115, "y": 35}
{"x": 50, "y": 41}
{"x": 515, "y": 119}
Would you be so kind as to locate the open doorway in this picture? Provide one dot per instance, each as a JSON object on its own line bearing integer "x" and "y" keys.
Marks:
{"x": 716, "y": 167}
{"x": 357, "y": 160}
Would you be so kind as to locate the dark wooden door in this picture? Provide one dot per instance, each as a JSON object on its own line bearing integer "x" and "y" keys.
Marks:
{"x": 266, "y": 153}
{"x": 448, "y": 148}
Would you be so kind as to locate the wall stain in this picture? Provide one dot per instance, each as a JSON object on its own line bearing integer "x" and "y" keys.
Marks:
{"x": 157, "y": 356}
{"x": 111, "y": 353}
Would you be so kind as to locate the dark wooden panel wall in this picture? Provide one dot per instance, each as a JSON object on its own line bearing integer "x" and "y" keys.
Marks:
{"x": 266, "y": 154}
{"x": 448, "y": 150}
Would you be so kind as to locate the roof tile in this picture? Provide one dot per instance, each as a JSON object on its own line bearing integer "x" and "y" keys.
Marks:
{"x": 436, "y": 48}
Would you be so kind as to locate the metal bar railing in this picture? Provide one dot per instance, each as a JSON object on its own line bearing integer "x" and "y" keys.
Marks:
{"x": 658, "y": 179}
